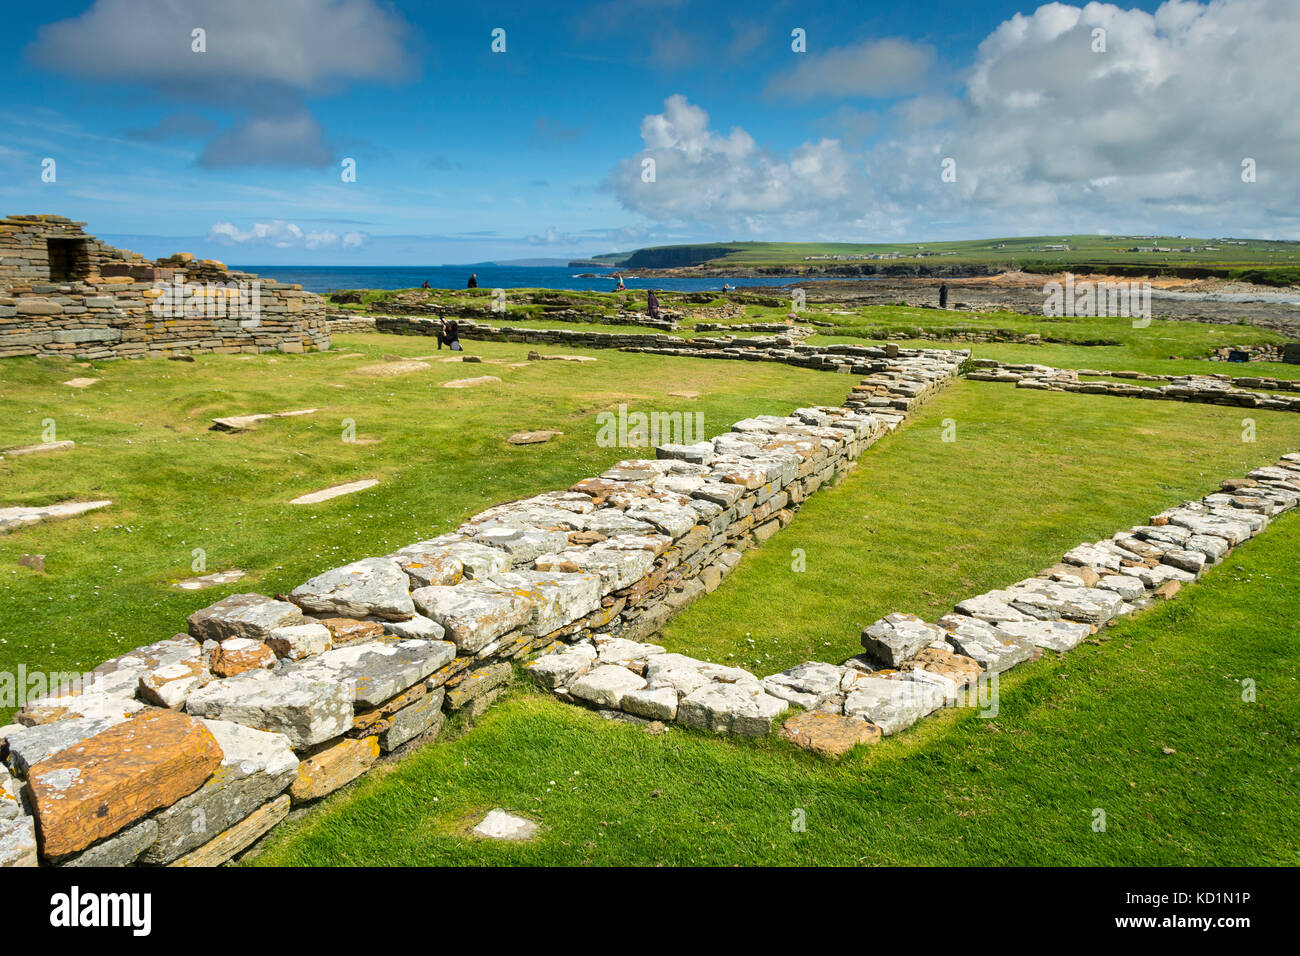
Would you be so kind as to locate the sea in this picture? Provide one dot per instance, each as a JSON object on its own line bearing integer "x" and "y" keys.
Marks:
{"x": 332, "y": 278}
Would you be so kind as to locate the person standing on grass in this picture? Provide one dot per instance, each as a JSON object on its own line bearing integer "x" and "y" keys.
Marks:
{"x": 943, "y": 296}
{"x": 652, "y": 304}
{"x": 473, "y": 281}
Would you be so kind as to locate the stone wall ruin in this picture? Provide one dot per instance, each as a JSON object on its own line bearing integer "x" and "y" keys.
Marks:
{"x": 65, "y": 293}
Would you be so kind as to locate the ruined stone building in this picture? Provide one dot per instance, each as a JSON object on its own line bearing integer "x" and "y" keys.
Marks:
{"x": 64, "y": 292}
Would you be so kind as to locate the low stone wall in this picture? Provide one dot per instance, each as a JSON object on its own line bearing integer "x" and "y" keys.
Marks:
{"x": 340, "y": 323}
{"x": 268, "y": 702}
{"x": 1206, "y": 389}
{"x": 910, "y": 668}
{"x": 856, "y": 359}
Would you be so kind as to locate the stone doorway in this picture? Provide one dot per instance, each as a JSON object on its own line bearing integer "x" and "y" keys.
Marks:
{"x": 69, "y": 259}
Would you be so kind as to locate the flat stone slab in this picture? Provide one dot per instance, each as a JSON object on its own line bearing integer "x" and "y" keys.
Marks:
{"x": 121, "y": 849}
{"x": 389, "y": 369}
{"x": 19, "y": 516}
{"x": 373, "y": 587}
{"x": 652, "y": 703}
{"x": 500, "y": 825}
{"x": 241, "y": 423}
{"x": 892, "y": 705}
{"x": 897, "y": 637}
{"x": 532, "y": 438}
{"x": 473, "y": 613}
{"x": 114, "y": 682}
{"x": 97, "y": 787}
{"x": 1052, "y": 635}
{"x": 18, "y": 842}
{"x": 374, "y": 671}
{"x": 831, "y": 735}
{"x": 435, "y": 566}
{"x": 305, "y": 710}
{"x": 557, "y": 599}
{"x": 38, "y": 449}
{"x": 562, "y": 668}
{"x": 989, "y": 645}
{"x": 251, "y": 616}
{"x": 81, "y": 382}
{"x": 28, "y": 746}
{"x": 605, "y": 685}
{"x": 333, "y": 767}
{"x": 336, "y": 491}
{"x": 740, "y": 709}
{"x": 471, "y": 382}
{"x": 213, "y": 580}
{"x": 805, "y": 684}
{"x": 1052, "y": 599}
{"x": 618, "y": 567}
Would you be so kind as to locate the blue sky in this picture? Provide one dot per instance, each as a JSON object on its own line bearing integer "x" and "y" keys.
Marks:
{"x": 463, "y": 154}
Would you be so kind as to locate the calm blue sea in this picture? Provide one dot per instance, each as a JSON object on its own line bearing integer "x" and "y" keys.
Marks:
{"x": 328, "y": 278}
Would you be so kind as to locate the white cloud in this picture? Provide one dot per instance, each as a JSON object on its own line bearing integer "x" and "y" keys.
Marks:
{"x": 279, "y": 234}
{"x": 700, "y": 174}
{"x": 1048, "y": 136}
{"x": 300, "y": 44}
{"x": 871, "y": 68}
{"x": 260, "y": 60}
{"x": 292, "y": 139}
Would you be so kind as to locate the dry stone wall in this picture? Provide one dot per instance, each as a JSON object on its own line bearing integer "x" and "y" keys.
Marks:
{"x": 270, "y": 701}
{"x": 64, "y": 292}
{"x": 911, "y": 668}
{"x": 1207, "y": 389}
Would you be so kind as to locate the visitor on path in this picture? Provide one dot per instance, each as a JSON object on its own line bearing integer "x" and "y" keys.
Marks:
{"x": 652, "y": 304}
{"x": 726, "y": 287}
{"x": 449, "y": 334}
{"x": 943, "y": 296}
{"x": 620, "y": 287}
{"x": 473, "y": 281}
{"x": 426, "y": 284}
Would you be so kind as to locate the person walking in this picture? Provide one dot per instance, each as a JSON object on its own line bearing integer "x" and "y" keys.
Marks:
{"x": 652, "y": 304}
{"x": 943, "y": 296}
{"x": 473, "y": 281}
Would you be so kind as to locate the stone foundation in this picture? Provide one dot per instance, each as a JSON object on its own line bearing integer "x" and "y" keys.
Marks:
{"x": 1205, "y": 389}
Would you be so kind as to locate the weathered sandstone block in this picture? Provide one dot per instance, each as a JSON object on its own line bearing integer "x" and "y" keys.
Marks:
{"x": 100, "y": 785}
